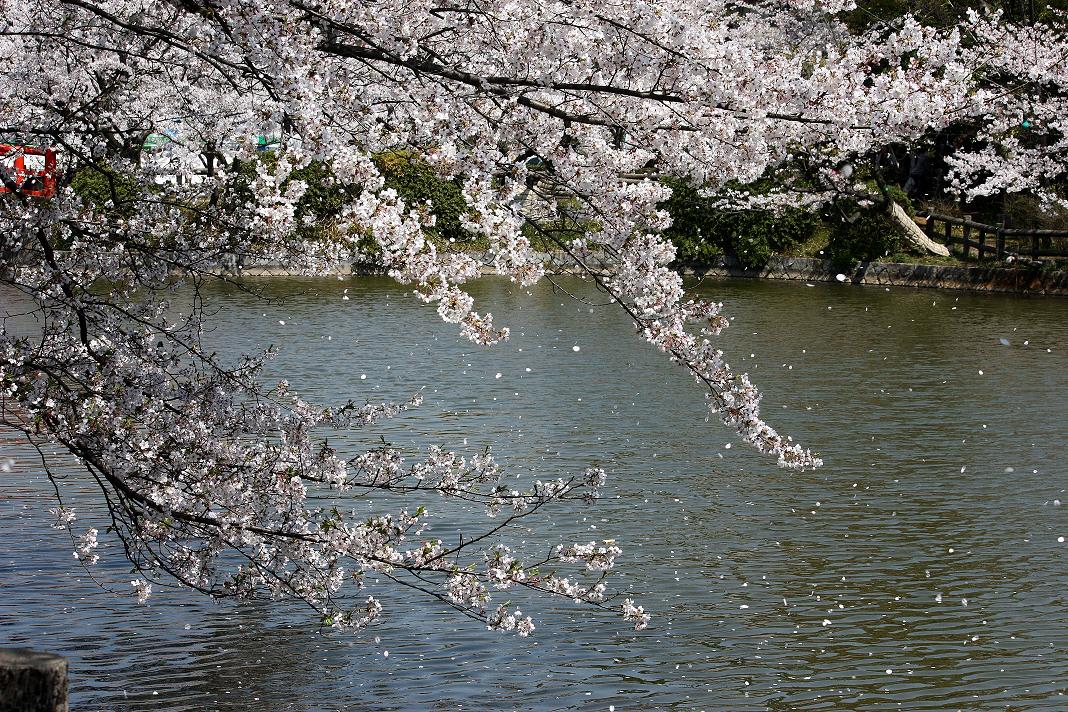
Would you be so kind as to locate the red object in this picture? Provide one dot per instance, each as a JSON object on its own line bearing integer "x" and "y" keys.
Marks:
{"x": 34, "y": 181}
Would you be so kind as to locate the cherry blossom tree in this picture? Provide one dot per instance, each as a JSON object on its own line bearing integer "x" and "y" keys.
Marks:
{"x": 205, "y": 472}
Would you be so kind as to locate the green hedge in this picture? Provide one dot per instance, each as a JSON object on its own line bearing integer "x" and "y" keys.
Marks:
{"x": 417, "y": 182}
{"x": 869, "y": 235}
{"x": 863, "y": 234}
{"x": 414, "y": 180}
{"x": 107, "y": 190}
{"x": 702, "y": 232}
{"x": 323, "y": 199}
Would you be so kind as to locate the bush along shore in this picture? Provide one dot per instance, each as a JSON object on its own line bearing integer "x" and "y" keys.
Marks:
{"x": 851, "y": 243}
{"x": 752, "y": 230}
{"x": 983, "y": 278}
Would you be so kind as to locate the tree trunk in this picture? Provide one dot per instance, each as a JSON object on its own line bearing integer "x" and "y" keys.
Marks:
{"x": 31, "y": 681}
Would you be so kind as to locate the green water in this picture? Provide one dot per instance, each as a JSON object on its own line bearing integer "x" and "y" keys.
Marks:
{"x": 920, "y": 569}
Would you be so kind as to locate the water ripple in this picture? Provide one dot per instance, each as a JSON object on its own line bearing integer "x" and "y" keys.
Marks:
{"x": 918, "y": 570}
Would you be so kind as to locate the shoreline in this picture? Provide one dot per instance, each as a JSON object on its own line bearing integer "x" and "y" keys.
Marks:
{"x": 1005, "y": 280}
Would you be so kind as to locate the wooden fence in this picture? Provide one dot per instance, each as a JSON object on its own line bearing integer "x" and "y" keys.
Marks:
{"x": 996, "y": 241}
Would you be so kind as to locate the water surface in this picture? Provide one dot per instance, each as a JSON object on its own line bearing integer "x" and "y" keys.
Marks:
{"x": 919, "y": 569}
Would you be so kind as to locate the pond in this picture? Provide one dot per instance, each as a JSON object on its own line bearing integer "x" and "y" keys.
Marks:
{"x": 923, "y": 567}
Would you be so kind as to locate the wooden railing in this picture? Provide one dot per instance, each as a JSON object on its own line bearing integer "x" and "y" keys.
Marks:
{"x": 1003, "y": 241}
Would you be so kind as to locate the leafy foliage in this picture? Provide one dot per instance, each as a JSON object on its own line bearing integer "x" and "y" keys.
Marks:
{"x": 862, "y": 234}
{"x": 413, "y": 179}
{"x": 945, "y": 13}
{"x": 701, "y": 231}
{"x": 418, "y": 183}
{"x": 322, "y": 201}
{"x": 106, "y": 189}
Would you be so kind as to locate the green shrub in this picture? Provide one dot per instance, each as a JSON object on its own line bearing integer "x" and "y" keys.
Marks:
{"x": 106, "y": 189}
{"x": 691, "y": 224}
{"x": 416, "y": 182}
{"x": 702, "y": 232}
{"x": 323, "y": 199}
{"x": 413, "y": 179}
{"x": 900, "y": 197}
{"x": 862, "y": 235}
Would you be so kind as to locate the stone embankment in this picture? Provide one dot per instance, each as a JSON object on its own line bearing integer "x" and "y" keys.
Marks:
{"x": 1019, "y": 280}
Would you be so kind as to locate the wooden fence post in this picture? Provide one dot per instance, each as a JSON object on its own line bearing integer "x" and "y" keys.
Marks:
{"x": 966, "y": 231}
{"x": 949, "y": 237}
{"x": 31, "y": 681}
{"x": 1001, "y": 240}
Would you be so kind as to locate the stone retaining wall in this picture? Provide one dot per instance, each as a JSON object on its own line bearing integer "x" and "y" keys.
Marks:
{"x": 1019, "y": 280}
{"x": 984, "y": 279}
{"x": 558, "y": 263}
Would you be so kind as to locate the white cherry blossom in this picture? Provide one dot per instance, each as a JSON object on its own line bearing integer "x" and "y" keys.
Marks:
{"x": 211, "y": 477}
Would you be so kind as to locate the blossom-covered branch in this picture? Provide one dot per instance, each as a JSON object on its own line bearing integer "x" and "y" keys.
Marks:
{"x": 222, "y": 483}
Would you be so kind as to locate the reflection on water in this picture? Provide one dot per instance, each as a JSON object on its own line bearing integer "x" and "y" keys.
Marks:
{"x": 919, "y": 569}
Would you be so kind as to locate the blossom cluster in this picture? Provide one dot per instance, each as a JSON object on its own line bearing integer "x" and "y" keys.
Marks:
{"x": 217, "y": 482}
